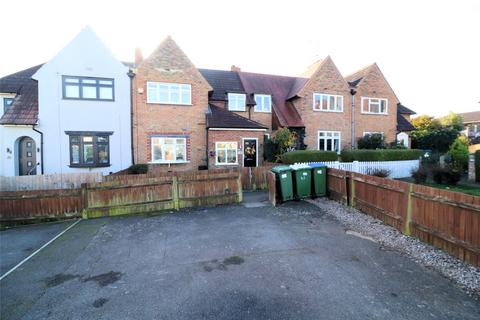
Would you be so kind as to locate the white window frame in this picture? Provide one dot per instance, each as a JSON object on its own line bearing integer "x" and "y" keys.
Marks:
{"x": 330, "y": 138}
{"x": 162, "y": 139}
{"x": 373, "y": 132}
{"x": 234, "y": 97}
{"x": 182, "y": 87}
{"x": 329, "y": 109}
{"x": 369, "y": 101}
{"x": 226, "y": 150}
{"x": 263, "y": 98}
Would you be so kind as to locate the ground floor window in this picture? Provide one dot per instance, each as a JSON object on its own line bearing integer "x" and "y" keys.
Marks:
{"x": 89, "y": 149}
{"x": 329, "y": 141}
{"x": 226, "y": 153}
{"x": 169, "y": 149}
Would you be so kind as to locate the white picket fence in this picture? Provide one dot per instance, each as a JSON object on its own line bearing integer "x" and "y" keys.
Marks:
{"x": 48, "y": 181}
{"x": 398, "y": 169}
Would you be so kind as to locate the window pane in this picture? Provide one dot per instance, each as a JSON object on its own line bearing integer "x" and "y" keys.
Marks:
{"x": 268, "y": 103}
{"x": 87, "y": 139}
{"x": 340, "y": 103}
{"x": 75, "y": 139}
{"x": 152, "y": 93}
{"x": 169, "y": 152}
{"x": 322, "y": 144}
{"x": 89, "y": 81}
{"x": 106, "y": 82}
{"x": 72, "y": 80}
{"x": 102, "y": 153}
{"x": 72, "y": 91}
{"x": 157, "y": 152}
{"x": 163, "y": 93}
{"x": 102, "y": 139}
{"x": 332, "y": 103}
{"x": 317, "y": 101}
{"x": 375, "y": 108}
{"x": 336, "y": 145}
{"x": 221, "y": 156}
{"x": 221, "y": 145}
{"x": 180, "y": 149}
{"x": 186, "y": 93}
{"x": 175, "y": 93}
{"x": 89, "y": 92}
{"x": 329, "y": 145}
{"x": 383, "y": 106}
{"x": 88, "y": 153}
{"x": 75, "y": 153}
{"x": 106, "y": 93}
{"x": 324, "y": 102}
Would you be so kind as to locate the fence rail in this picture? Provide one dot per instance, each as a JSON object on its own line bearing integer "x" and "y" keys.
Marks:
{"x": 447, "y": 220}
{"x": 398, "y": 169}
{"x": 48, "y": 181}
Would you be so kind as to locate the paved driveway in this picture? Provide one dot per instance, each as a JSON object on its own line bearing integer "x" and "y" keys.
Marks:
{"x": 231, "y": 262}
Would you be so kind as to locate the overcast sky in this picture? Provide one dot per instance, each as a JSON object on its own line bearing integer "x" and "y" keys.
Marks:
{"x": 428, "y": 50}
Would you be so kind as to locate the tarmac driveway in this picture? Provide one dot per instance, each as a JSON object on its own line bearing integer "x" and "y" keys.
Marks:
{"x": 230, "y": 262}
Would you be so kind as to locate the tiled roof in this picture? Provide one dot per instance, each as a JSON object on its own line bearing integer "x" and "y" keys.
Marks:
{"x": 222, "y": 82}
{"x": 24, "y": 109}
{"x": 403, "y": 124}
{"x": 279, "y": 87}
{"x": 218, "y": 117}
{"x": 355, "y": 78}
{"x": 469, "y": 117}
{"x": 404, "y": 110}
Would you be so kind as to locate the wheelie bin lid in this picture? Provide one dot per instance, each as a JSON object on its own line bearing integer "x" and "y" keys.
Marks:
{"x": 278, "y": 169}
{"x": 299, "y": 166}
{"x": 316, "y": 165}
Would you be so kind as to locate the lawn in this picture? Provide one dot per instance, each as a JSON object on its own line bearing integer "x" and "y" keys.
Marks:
{"x": 474, "y": 191}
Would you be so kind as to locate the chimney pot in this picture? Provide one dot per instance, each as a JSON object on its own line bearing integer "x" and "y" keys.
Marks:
{"x": 235, "y": 68}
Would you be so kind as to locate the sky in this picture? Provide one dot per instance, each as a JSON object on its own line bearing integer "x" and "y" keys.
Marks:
{"x": 429, "y": 51}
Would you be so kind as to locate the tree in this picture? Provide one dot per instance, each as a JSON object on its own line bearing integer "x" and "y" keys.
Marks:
{"x": 453, "y": 121}
{"x": 425, "y": 122}
{"x": 371, "y": 141}
{"x": 459, "y": 152}
{"x": 285, "y": 139}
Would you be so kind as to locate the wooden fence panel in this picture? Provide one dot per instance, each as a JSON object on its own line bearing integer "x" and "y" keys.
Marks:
{"x": 272, "y": 188}
{"x": 447, "y": 220}
{"x": 48, "y": 181}
{"x": 384, "y": 199}
{"x": 337, "y": 185}
{"x": 256, "y": 178}
{"x": 25, "y": 205}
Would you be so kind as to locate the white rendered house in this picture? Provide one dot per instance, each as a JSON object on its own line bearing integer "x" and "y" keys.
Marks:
{"x": 74, "y": 117}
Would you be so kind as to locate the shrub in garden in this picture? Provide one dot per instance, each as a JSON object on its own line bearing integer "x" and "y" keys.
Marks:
{"x": 382, "y": 173}
{"x": 371, "y": 141}
{"x": 452, "y": 175}
{"x": 459, "y": 152}
{"x": 437, "y": 173}
{"x": 309, "y": 156}
{"x": 419, "y": 175}
{"x": 138, "y": 168}
{"x": 380, "y": 155}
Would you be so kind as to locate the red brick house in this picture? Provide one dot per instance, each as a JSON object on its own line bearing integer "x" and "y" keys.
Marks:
{"x": 187, "y": 118}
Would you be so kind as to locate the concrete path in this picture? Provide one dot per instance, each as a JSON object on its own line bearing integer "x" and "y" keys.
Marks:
{"x": 229, "y": 262}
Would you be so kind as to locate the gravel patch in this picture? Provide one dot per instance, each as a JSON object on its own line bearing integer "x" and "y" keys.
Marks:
{"x": 465, "y": 275}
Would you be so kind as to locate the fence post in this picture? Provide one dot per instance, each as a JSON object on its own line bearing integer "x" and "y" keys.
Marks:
{"x": 408, "y": 219}
{"x": 84, "y": 202}
{"x": 239, "y": 187}
{"x": 176, "y": 202}
{"x": 352, "y": 183}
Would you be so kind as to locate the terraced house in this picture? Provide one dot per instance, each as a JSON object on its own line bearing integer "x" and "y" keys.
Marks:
{"x": 187, "y": 118}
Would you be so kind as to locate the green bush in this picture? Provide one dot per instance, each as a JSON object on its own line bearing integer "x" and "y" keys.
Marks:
{"x": 438, "y": 173}
{"x": 380, "y": 155}
{"x": 420, "y": 175}
{"x": 138, "y": 169}
{"x": 371, "y": 141}
{"x": 452, "y": 175}
{"x": 382, "y": 173}
{"x": 477, "y": 166}
{"x": 308, "y": 156}
{"x": 459, "y": 152}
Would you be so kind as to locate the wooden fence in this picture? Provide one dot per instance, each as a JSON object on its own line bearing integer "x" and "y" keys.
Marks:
{"x": 447, "y": 220}
{"x": 48, "y": 181}
{"x": 28, "y": 205}
{"x": 256, "y": 178}
{"x": 150, "y": 194}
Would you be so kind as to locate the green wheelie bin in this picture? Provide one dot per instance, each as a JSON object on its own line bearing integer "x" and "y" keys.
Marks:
{"x": 319, "y": 179}
{"x": 302, "y": 180}
{"x": 284, "y": 182}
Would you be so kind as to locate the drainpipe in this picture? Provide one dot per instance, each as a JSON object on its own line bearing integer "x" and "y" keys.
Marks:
{"x": 131, "y": 75}
{"x": 353, "y": 92}
{"x": 41, "y": 147}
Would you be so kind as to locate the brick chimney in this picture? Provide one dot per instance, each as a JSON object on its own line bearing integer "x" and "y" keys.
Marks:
{"x": 235, "y": 68}
{"x": 138, "y": 56}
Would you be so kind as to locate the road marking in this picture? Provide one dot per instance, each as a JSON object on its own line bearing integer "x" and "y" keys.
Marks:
{"x": 40, "y": 249}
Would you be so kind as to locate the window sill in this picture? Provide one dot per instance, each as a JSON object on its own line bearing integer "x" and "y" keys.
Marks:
{"x": 375, "y": 114}
{"x": 87, "y": 99}
{"x": 262, "y": 111}
{"x": 170, "y": 162}
{"x": 171, "y": 104}
{"x": 90, "y": 166}
{"x": 233, "y": 110}
{"x": 334, "y": 111}
{"x": 226, "y": 164}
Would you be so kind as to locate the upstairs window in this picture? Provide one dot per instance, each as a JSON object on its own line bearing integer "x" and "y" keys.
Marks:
{"x": 374, "y": 105}
{"x": 169, "y": 149}
{"x": 236, "y": 101}
{"x": 7, "y": 103}
{"x": 89, "y": 149}
{"x": 88, "y": 88}
{"x": 327, "y": 102}
{"x": 169, "y": 93}
{"x": 263, "y": 103}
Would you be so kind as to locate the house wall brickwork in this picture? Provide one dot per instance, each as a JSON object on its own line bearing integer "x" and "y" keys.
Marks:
{"x": 326, "y": 79}
{"x": 233, "y": 136}
{"x": 169, "y": 64}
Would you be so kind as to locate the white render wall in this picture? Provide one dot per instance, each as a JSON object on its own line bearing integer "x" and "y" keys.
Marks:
{"x": 87, "y": 56}
{"x": 9, "y": 137}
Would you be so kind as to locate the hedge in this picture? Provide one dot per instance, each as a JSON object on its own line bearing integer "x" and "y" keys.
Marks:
{"x": 477, "y": 166}
{"x": 308, "y": 156}
{"x": 380, "y": 155}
